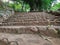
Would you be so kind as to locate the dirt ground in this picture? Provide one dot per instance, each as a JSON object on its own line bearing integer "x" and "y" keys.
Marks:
{"x": 30, "y": 39}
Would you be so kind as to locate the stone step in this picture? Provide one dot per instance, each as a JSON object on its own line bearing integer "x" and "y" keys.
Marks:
{"x": 22, "y": 23}
{"x": 17, "y": 29}
{"x": 45, "y": 23}
{"x": 40, "y": 30}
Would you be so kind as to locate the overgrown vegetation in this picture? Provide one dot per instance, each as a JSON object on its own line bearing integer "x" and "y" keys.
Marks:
{"x": 31, "y": 5}
{"x": 38, "y": 5}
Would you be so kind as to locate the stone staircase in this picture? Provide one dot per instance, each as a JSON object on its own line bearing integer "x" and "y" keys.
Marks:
{"x": 29, "y": 29}
{"x": 28, "y": 23}
{"x": 30, "y": 19}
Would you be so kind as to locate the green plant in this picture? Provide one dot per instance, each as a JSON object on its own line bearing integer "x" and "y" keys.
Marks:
{"x": 18, "y": 6}
{"x": 55, "y": 7}
{"x": 26, "y": 8}
{"x": 46, "y": 4}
